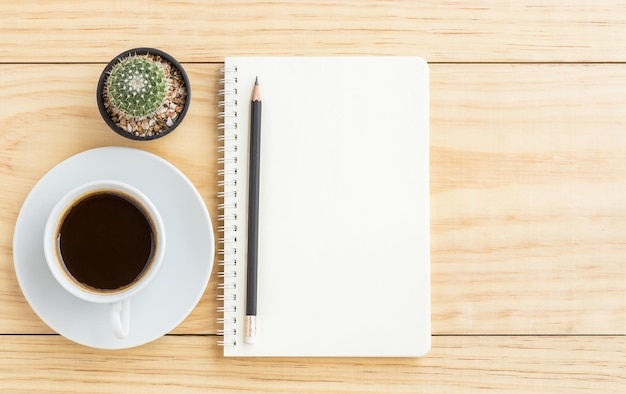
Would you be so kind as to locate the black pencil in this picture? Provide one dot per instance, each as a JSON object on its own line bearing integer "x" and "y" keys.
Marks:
{"x": 253, "y": 214}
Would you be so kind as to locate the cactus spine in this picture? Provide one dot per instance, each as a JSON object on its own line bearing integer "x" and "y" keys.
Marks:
{"x": 137, "y": 86}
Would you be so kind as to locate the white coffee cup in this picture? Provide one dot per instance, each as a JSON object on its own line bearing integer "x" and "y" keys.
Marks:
{"x": 55, "y": 246}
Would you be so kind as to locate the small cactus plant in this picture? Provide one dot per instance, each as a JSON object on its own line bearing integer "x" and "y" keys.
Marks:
{"x": 143, "y": 94}
{"x": 137, "y": 86}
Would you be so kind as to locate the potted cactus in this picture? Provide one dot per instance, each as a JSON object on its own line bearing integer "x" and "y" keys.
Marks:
{"x": 143, "y": 94}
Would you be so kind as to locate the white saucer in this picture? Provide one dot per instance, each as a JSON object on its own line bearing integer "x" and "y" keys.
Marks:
{"x": 183, "y": 277}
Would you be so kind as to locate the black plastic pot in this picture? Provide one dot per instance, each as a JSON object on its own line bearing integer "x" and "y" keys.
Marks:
{"x": 105, "y": 73}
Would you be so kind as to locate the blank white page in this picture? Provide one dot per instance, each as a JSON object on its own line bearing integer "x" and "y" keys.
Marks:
{"x": 344, "y": 251}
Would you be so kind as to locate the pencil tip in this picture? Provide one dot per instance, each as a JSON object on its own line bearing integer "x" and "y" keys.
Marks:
{"x": 256, "y": 95}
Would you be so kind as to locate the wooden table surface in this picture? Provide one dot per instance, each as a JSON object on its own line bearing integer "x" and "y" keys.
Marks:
{"x": 528, "y": 181}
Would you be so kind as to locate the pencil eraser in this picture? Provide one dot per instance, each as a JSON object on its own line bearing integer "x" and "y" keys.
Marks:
{"x": 250, "y": 340}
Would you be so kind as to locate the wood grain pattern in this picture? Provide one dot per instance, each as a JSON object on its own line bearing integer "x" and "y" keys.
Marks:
{"x": 527, "y": 218}
{"x": 520, "y": 210}
{"x": 193, "y": 365}
{"x": 440, "y": 31}
{"x": 527, "y": 178}
{"x": 51, "y": 118}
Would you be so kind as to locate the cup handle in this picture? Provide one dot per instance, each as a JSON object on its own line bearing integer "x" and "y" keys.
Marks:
{"x": 119, "y": 312}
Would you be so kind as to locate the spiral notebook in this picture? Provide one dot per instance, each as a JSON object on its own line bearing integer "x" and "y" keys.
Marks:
{"x": 344, "y": 250}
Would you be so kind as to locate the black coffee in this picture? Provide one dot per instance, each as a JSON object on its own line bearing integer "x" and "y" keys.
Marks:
{"x": 106, "y": 241}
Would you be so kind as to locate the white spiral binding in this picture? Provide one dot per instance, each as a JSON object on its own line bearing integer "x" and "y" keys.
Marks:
{"x": 227, "y": 229}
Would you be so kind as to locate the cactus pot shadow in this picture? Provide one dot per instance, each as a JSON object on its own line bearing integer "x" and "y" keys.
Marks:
{"x": 143, "y": 94}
